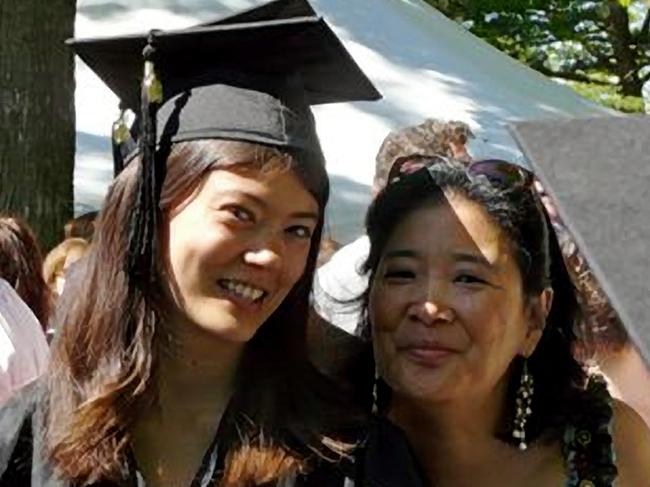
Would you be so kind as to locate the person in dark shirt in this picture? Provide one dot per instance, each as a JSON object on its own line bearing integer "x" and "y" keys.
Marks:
{"x": 471, "y": 312}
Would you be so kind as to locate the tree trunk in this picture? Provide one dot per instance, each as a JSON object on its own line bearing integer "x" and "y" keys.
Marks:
{"x": 37, "y": 124}
{"x": 626, "y": 67}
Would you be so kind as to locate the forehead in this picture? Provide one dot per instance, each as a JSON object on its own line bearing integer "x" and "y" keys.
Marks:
{"x": 280, "y": 189}
{"x": 454, "y": 224}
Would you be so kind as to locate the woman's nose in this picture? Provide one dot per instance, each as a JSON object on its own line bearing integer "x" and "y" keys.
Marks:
{"x": 266, "y": 252}
{"x": 432, "y": 308}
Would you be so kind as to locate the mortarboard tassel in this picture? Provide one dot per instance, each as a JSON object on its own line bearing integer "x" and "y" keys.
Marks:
{"x": 144, "y": 219}
{"x": 120, "y": 135}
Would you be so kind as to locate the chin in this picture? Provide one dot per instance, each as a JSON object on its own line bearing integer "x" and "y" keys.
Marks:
{"x": 222, "y": 320}
{"x": 422, "y": 385}
{"x": 216, "y": 323}
{"x": 236, "y": 332}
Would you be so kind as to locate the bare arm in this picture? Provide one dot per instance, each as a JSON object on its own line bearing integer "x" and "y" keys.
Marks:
{"x": 632, "y": 447}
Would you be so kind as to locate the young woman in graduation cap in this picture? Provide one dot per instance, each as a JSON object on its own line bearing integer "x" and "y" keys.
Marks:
{"x": 180, "y": 357}
{"x": 471, "y": 322}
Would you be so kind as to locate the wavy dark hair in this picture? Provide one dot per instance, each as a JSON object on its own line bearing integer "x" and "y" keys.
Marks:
{"x": 21, "y": 265}
{"x": 106, "y": 352}
{"x": 519, "y": 213}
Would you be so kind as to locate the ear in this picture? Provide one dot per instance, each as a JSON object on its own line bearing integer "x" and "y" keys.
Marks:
{"x": 537, "y": 311}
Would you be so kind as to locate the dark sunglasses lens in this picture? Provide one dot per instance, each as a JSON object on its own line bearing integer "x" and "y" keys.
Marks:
{"x": 500, "y": 172}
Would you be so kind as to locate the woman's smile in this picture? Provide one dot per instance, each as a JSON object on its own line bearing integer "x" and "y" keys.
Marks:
{"x": 242, "y": 289}
{"x": 426, "y": 355}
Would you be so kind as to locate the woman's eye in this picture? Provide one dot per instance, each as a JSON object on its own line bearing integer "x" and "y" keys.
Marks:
{"x": 300, "y": 231}
{"x": 469, "y": 279}
{"x": 399, "y": 274}
{"x": 240, "y": 213}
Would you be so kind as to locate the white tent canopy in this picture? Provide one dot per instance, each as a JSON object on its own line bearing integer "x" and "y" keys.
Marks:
{"x": 424, "y": 64}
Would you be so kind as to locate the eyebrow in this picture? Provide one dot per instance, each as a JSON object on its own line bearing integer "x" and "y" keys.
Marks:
{"x": 396, "y": 254}
{"x": 456, "y": 256}
{"x": 472, "y": 258}
{"x": 306, "y": 215}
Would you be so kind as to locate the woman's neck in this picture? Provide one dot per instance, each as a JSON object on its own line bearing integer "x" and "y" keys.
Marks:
{"x": 197, "y": 367}
{"x": 451, "y": 437}
{"x": 196, "y": 377}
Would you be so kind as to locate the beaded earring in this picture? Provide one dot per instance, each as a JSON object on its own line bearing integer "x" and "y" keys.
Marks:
{"x": 523, "y": 406}
{"x": 375, "y": 386}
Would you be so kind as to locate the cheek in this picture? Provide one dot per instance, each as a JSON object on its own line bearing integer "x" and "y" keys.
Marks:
{"x": 481, "y": 320}
{"x": 384, "y": 351}
{"x": 184, "y": 263}
{"x": 185, "y": 246}
{"x": 384, "y": 317}
{"x": 385, "y": 306}
{"x": 295, "y": 263}
{"x": 495, "y": 327}
{"x": 196, "y": 246}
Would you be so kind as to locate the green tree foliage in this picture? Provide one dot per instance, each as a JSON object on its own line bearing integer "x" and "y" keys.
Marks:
{"x": 590, "y": 42}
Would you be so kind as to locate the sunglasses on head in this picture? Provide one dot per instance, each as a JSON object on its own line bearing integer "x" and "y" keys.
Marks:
{"x": 496, "y": 171}
{"x": 502, "y": 172}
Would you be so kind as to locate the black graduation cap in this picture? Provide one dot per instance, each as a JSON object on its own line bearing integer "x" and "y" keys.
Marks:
{"x": 597, "y": 171}
{"x": 251, "y": 77}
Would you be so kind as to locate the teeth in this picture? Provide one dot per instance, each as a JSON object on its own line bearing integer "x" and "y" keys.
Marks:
{"x": 243, "y": 290}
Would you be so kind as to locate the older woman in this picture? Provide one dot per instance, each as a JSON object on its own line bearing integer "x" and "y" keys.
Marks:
{"x": 471, "y": 310}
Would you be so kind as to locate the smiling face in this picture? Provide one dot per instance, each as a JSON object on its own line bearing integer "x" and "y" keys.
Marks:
{"x": 446, "y": 304}
{"x": 237, "y": 247}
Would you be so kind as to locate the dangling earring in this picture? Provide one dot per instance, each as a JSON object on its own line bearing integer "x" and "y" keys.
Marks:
{"x": 523, "y": 406}
{"x": 375, "y": 407}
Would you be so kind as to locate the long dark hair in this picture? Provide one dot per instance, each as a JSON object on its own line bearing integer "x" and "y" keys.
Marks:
{"x": 105, "y": 357}
{"x": 21, "y": 265}
{"x": 519, "y": 213}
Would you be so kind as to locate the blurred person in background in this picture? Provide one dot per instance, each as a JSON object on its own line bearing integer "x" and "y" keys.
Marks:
{"x": 24, "y": 354}
{"x": 21, "y": 264}
{"x": 59, "y": 260}
{"x": 82, "y": 226}
{"x": 24, "y": 307}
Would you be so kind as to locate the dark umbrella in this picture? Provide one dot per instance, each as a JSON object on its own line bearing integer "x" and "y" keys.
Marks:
{"x": 597, "y": 171}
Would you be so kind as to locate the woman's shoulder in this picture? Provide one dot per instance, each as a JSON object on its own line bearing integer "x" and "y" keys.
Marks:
{"x": 631, "y": 445}
{"x": 587, "y": 442}
{"x": 385, "y": 458}
{"x": 382, "y": 458}
{"x": 605, "y": 439}
{"x": 326, "y": 474}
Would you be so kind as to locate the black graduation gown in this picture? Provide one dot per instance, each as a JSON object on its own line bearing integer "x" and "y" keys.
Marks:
{"x": 386, "y": 459}
{"x": 22, "y": 461}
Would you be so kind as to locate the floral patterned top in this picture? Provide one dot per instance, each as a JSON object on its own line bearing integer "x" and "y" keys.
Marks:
{"x": 387, "y": 460}
{"x": 588, "y": 448}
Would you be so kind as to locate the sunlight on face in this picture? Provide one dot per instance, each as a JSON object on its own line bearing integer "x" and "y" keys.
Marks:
{"x": 237, "y": 248}
{"x": 446, "y": 304}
